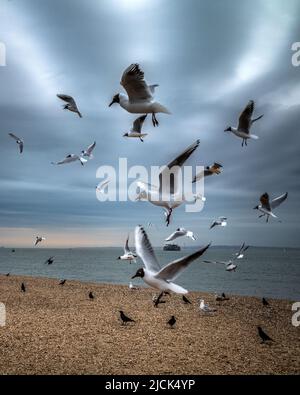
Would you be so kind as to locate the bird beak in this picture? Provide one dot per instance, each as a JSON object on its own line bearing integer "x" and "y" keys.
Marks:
{"x": 255, "y": 208}
{"x": 133, "y": 277}
{"x": 112, "y": 102}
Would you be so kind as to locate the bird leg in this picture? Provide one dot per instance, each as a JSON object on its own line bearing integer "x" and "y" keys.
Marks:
{"x": 243, "y": 143}
{"x": 158, "y": 299}
{"x": 154, "y": 120}
{"x": 246, "y": 142}
{"x": 168, "y": 219}
{"x": 267, "y": 219}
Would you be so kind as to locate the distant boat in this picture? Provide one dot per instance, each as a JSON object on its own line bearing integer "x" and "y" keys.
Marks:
{"x": 171, "y": 247}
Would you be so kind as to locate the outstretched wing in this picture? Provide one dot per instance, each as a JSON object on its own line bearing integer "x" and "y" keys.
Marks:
{"x": 174, "y": 269}
{"x": 166, "y": 179}
{"x": 90, "y": 148}
{"x": 145, "y": 251}
{"x": 245, "y": 117}
{"x": 133, "y": 82}
{"x": 67, "y": 99}
{"x": 280, "y": 199}
{"x": 14, "y": 136}
{"x": 126, "y": 248}
{"x": 138, "y": 124}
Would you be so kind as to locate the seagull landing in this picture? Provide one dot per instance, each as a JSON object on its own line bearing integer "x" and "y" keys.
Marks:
{"x": 169, "y": 193}
{"x": 128, "y": 255}
{"x": 179, "y": 233}
{"x": 152, "y": 273}
{"x": 136, "y": 131}
{"x": 245, "y": 123}
{"x": 69, "y": 159}
{"x": 266, "y": 206}
{"x": 139, "y": 98}
{"x": 71, "y": 104}
{"x": 221, "y": 221}
{"x": 19, "y": 141}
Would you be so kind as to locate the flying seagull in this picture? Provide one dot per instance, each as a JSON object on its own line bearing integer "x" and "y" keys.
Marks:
{"x": 124, "y": 318}
{"x": 136, "y": 131}
{"x": 179, "y": 233}
{"x": 50, "y": 260}
{"x": 266, "y": 206}
{"x": 19, "y": 141}
{"x": 221, "y": 221}
{"x": 169, "y": 193}
{"x": 241, "y": 253}
{"x": 88, "y": 153}
{"x": 39, "y": 239}
{"x": 152, "y": 273}
{"x": 230, "y": 266}
{"x": 69, "y": 159}
{"x": 71, "y": 104}
{"x": 101, "y": 187}
{"x": 245, "y": 123}
{"x": 264, "y": 337}
{"x": 139, "y": 98}
{"x": 128, "y": 255}
{"x": 208, "y": 171}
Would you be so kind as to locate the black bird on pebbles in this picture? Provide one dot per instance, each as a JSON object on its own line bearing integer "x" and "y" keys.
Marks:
{"x": 91, "y": 296}
{"x": 185, "y": 299}
{"x": 62, "y": 282}
{"x": 172, "y": 321}
{"x": 264, "y": 337}
{"x": 124, "y": 318}
{"x": 265, "y": 302}
{"x": 23, "y": 288}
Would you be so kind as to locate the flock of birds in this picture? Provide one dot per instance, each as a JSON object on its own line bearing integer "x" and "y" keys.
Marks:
{"x": 140, "y": 100}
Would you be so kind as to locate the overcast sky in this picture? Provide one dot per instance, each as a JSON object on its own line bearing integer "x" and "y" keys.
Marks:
{"x": 209, "y": 58}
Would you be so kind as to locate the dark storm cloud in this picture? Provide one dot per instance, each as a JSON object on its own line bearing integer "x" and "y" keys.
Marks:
{"x": 209, "y": 58}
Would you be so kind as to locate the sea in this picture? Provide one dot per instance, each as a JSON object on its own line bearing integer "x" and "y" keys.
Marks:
{"x": 268, "y": 272}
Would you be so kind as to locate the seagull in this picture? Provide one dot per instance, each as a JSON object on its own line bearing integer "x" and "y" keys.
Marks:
{"x": 221, "y": 221}
{"x": 91, "y": 296}
{"x": 266, "y": 206}
{"x": 62, "y": 282}
{"x": 185, "y": 300}
{"x": 139, "y": 98}
{"x": 71, "y": 104}
{"x": 101, "y": 187}
{"x": 128, "y": 255}
{"x": 205, "y": 307}
{"x": 124, "y": 318}
{"x": 136, "y": 131}
{"x": 229, "y": 265}
{"x": 241, "y": 253}
{"x": 50, "y": 260}
{"x": 265, "y": 302}
{"x": 220, "y": 298}
{"x": 19, "y": 141}
{"x": 39, "y": 240}
{"x": 23, "y": 288}
{"x": 179, "y": 233}
{"x": 245, "y": 123}
{"x": 172, "y": 321}
{"x": 88, "y": 153}
{"x": 152, "y": 273}
{"x": 169, "y": 193}
{"x": 69, "y": 159}
{"x": 209, "y": 171}
{"x": 264, "y": 337}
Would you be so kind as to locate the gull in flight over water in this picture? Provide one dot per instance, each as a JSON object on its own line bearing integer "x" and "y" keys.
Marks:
{"x": 71, "y": 104}
{"x": 88, "y": 153}
{"x": 230, "y": 266}
{"x": 216, "y": 168}
{"x": 69, "y": 159}
{"x": 139, "y": 98}
{"x": 152, "y": 273}
{"x": 179, "y": 233}
{"x": 221, "y": 221}
{"x": 266, "y": 206}
{"x": 245, "y": 124}
{"x": 241, "y": 253}
{"x": 205, "y": 307}
{"x": 128, "y": 255}
{"x": 136, "y": 131}
{"x": 19, "y": 141}
{"x": 39, "y": 239}
{"x": 169, "y": 193}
